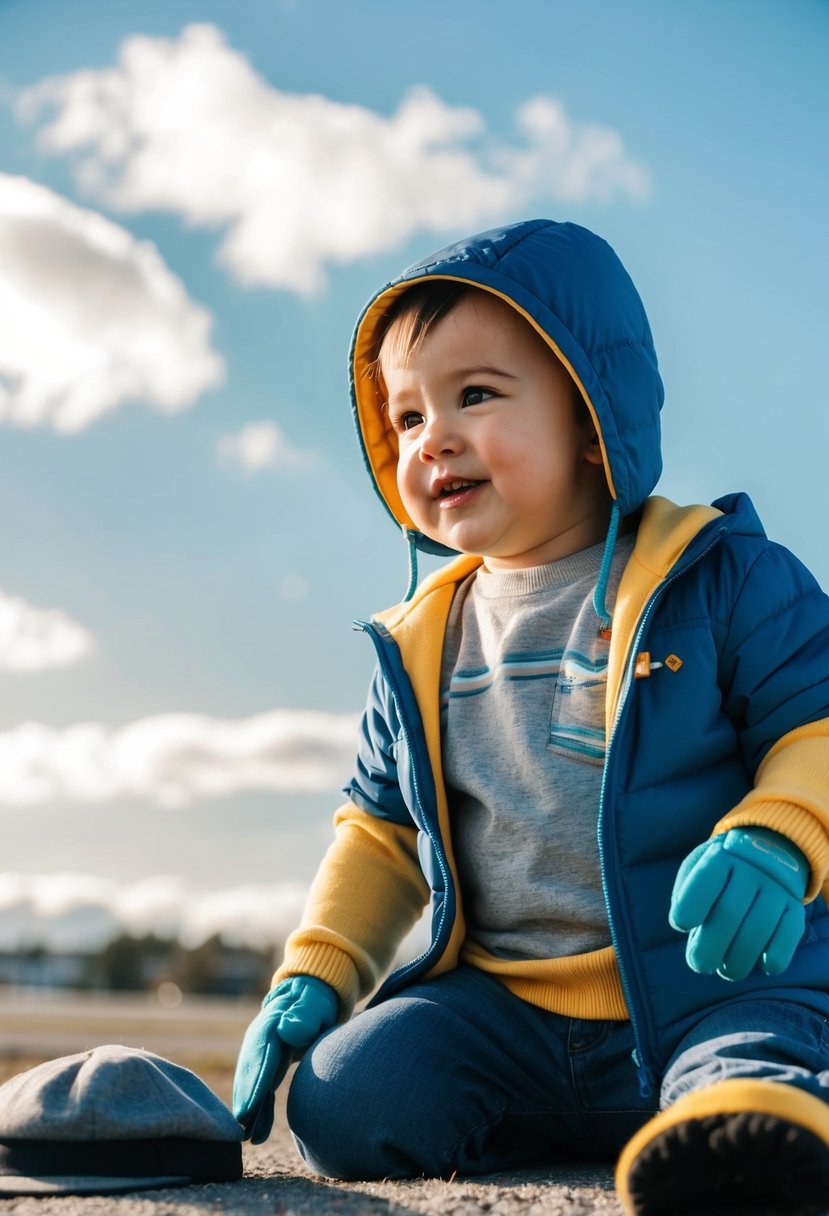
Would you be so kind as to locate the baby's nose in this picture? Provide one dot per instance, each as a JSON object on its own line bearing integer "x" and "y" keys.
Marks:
{"x": 440, "y": 437}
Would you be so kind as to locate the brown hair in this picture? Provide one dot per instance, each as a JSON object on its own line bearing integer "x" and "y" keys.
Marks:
{"x": 404, "y": 328}
{"x": 415, "y": 312}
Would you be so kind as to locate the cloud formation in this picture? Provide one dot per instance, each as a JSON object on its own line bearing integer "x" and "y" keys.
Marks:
{"x": 90, "y": 318}
{"x": 300, "y": 182}
{"x": 34, "y": 639}
{"x": 262, "y": 445}
{"x": 69, "y": 911}
{"x": 173, "y": 760}
{"x": 81, "y": 912}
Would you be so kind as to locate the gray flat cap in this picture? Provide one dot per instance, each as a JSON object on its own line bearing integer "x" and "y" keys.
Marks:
{"x": 110, "y": 1120}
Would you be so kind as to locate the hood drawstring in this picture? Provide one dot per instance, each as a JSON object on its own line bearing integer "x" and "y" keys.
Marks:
{"x": 600, "y": 594}
{"x": 412, "y": 543}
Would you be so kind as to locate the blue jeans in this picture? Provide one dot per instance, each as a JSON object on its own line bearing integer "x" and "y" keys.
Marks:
{"x": 458, "y": 1075}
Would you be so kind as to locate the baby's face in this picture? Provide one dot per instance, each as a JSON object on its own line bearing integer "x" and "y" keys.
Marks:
{"x": 492, "y": 460}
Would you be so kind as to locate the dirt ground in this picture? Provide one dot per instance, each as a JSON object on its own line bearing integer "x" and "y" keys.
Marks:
{"x": 205, "y": 1038}
{"x": 277, "y": 1184}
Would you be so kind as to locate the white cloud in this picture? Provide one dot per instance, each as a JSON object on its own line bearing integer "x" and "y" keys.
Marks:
{"x": 294, "y": 588}
{"x": 256, "y": 915}
{"x": 90, "y": 318}
{"x": 70, "y": 911}
{"x": 299, "y": 181}
{"x": 176, "y": 759}
{"x": 33, "y": 639}
{"x": 262, "y": 445}
{"x": 572, "y": 162}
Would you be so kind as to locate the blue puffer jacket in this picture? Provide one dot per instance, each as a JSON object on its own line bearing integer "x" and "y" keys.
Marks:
{"x": 718, "y": 689}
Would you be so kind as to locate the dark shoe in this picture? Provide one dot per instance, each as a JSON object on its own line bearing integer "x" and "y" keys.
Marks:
{"x": 739, "y": 1146}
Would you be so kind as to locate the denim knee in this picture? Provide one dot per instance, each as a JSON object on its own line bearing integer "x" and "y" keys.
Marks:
{"x": 347, "y": 1120}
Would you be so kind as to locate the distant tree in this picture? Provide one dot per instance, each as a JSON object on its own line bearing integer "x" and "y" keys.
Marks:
{"x": 130, "y": 963}
{"x": 216, "y": 968}
{"x": 140, "y": 964}
{"x": 195, "y": 970}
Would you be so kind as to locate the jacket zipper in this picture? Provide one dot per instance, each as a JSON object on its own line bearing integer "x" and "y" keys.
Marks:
{"x": 428, "y": 820}
{"x": 646, "y": 1072}
{"x": 642, "y": 1034}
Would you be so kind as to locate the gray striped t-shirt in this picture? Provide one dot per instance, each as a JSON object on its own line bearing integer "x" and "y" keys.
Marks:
{"x": 522, "y": 714}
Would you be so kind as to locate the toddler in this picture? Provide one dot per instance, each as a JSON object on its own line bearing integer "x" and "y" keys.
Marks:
{"x": 597, "y": 743}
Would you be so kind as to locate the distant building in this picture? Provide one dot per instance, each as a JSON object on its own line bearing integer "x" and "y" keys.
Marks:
{"x": 40, "y": 969}
{"x": 140, "y": 964}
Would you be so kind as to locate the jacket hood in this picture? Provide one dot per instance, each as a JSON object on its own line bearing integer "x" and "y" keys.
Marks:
{"x": 571, "y": 287}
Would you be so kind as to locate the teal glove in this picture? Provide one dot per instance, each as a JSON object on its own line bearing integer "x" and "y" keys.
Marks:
{"x": 293, "y": 1015}
{"x": 740, "y": 898}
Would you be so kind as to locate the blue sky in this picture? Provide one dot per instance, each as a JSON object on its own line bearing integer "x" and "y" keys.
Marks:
{"x": 195, "y": 202}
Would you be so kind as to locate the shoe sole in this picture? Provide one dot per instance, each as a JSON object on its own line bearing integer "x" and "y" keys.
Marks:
{"x": 696, "y": 1160}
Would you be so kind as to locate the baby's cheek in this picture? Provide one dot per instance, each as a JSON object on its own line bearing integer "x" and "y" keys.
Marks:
{"x": 410, "y": 486}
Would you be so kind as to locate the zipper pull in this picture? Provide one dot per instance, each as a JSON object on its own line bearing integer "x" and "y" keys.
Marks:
{"x": 648, "y": 1081}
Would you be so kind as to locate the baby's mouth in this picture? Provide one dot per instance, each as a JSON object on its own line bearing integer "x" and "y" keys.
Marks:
{"x": 455, "y": 487}
{"x": 458, "y": 493}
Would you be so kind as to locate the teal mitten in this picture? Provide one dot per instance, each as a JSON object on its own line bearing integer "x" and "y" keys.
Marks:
{"x": 739, "y": 897}
{"x": 294, "y": 1013}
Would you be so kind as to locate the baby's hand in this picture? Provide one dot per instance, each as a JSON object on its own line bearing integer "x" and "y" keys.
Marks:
{"x": 293, "y": 1014}
{"x": 740, "y": 898}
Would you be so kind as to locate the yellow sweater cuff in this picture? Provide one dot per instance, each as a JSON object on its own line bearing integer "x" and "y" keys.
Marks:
{"x": 791, "y": 796}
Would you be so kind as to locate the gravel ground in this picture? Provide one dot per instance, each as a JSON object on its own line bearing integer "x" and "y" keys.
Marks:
{"x": 276, "y": 1183}
{"x": 205, "y": 1036}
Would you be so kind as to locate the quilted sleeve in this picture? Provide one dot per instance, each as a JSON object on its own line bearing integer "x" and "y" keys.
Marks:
{"x": 776, "y": 690}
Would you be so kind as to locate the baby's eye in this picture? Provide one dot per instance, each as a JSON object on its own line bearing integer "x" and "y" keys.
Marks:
{"x": 405, "y": 422}
{"x": 474, "y": 394}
